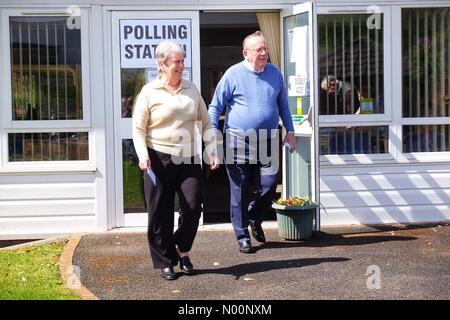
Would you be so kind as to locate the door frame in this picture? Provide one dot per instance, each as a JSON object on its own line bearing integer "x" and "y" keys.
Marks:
{"x": 310, "y": 8}
{"x": 122, "y": 126}
{"x": 115, "y": 218}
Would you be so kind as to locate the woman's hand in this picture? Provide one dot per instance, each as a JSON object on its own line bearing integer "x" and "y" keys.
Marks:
{"x": 145, "y": 164}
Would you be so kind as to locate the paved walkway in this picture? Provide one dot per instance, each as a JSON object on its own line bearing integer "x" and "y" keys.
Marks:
{"x": 337, "y": 263}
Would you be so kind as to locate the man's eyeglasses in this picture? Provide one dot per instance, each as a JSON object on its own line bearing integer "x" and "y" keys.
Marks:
{"x": 260, "y": 50}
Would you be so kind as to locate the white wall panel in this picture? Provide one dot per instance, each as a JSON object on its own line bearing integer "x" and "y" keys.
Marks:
{"x": 47, "y": 204}
{"x": 45, "y": 208}
{"x": 388, "y": 181}
{"x": 10, "y": 192}
{"x": 385, "y": 194}
{"x": 381, "y": 198}
{"x": 383, "y": 215}
{"x": 27, "y": 178}
{"x": 33, "y": 228}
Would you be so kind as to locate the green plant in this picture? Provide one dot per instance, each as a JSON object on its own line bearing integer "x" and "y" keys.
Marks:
{"x": 295, "y": 201}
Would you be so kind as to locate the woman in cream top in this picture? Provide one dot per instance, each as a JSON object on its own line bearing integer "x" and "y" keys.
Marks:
{"x": 164, "y": 119}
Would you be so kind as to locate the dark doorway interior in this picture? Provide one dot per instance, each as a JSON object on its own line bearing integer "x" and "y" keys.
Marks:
{"x": 221, "y": 36}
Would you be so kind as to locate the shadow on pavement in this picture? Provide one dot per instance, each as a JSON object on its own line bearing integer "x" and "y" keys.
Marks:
{"x": 321, "y": 239}
{"x": 243, "y": 269}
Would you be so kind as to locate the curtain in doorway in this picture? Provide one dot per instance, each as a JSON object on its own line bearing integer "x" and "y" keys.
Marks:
{"x": 269, "y": 23}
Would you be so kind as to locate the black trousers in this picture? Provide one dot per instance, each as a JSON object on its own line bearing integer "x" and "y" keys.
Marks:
{"x": 186, "y": 180}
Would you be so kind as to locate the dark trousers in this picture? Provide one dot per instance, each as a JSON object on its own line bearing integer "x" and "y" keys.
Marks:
{"x": 242, "y": 211}
{"x": 185, "y": 179}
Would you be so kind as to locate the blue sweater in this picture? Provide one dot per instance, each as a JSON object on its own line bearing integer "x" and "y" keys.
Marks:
{"x": 253, "y": 100}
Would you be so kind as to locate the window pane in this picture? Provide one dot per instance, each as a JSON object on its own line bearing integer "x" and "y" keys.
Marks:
{"x": 132, "y": 82}
{"x": 45, "y": 69}
{"x": 48, "y": 146}
{"x": 354, "y": 140}
{"x": 133, "y": 187}
{"x": 350, "y": 65}
{"x": 426, "y": 138}
{"x": 133, "y": 184}
{"x": 426, "y": 62}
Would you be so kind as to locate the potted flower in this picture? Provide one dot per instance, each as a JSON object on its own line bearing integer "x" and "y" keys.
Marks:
{"x": 295, "y": 217}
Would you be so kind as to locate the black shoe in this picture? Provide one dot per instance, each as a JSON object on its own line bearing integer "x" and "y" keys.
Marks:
{"x": 258, "y": 233}
{"x": 246, "y": 247}
{"x": 168, "y": 273}
{"x": 186, "y": 265}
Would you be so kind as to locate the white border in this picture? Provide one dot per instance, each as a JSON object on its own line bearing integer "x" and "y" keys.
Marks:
{"x": 122, "y": 126}
{"x": 385, "y": 119}
{"x": 392, "y": 52}
{"x": 396, "y": 52}
{"x": 10, "y": 126}
{"x": 366, "y": 119}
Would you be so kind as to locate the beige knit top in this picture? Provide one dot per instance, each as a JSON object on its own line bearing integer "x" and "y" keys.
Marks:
{"x": 165, "y": 120}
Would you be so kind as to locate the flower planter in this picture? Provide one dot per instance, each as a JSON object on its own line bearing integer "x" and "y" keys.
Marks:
{"x": 295, "y": 222}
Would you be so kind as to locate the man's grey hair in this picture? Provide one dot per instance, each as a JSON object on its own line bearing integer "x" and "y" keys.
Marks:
{"x": 165, "y": 49}
{"x": 326, "y": 80}
{"x": 256, "y": 34}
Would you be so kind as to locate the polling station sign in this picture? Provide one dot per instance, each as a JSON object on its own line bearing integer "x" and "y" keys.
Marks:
{"x": 139, "y": 39}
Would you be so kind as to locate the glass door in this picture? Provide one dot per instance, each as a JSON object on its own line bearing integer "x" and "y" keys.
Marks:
{"x": 135, "y": 36}
{"x": 301, "y": 168}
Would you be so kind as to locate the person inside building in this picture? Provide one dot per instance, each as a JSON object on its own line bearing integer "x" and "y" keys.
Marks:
{"x": 164, "y": 119}
{"x": 254, "y": 95}
{"x": 337, "y": 97}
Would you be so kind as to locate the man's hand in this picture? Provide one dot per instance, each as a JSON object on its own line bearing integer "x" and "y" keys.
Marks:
{"x": 214, "y": 162}
{"x": 290, "y": 138}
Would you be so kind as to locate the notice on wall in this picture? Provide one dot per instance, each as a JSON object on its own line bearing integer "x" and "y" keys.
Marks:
{"x": 139, "y": 39}
{"x": 297, "y": 86}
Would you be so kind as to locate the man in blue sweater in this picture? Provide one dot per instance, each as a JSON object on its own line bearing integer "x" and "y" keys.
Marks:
{"x": 254, "y": 96}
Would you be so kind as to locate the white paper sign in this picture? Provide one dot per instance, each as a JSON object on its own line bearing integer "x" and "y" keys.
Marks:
{"x": 297, "y": 86}
{"x": 139, "y": 39}
{"x": 300, "y": 50}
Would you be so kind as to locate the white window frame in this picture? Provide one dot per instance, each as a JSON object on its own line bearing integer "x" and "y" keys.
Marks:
{"x": 397, "y": 77}
{"x": 31, "y": 126}
{"x": 364, "y": 120}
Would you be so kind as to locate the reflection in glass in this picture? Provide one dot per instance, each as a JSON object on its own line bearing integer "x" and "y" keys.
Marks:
{"x": 426, "y": 138}
{"x": 48, "y": 146}
{"x": 354, "y": 140}
{"x": 350, "y": 65}
{"x": 295, "y": 66}
{"x": 426, "y": 62}
{"x": 45, "y": 69}
{"x": 132, "y": 81}
{"x": 133, "y": 184}
{"x": 133, "y": 187}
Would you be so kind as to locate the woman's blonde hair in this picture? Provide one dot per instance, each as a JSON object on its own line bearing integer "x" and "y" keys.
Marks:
{"x": 164, "y": 50}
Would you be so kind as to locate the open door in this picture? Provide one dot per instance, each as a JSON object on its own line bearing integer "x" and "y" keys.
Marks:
{"x": 301, "y": 168}
{"x": 135, "y": 35}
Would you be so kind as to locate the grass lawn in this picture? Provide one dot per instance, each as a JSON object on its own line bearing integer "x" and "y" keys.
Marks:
{"x": 32, "y": 273}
